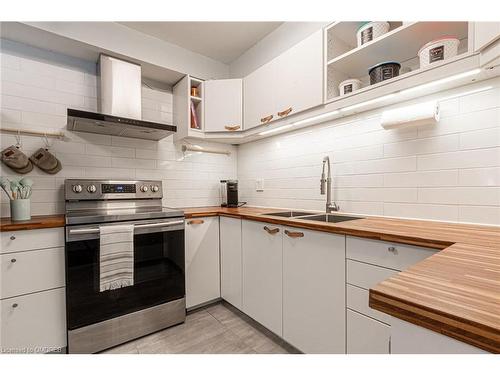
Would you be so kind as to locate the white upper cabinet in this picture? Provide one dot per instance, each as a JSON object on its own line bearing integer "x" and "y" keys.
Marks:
{"x": 289, "y": 84}
{"x": 299, "y": 77}
{"x": 485, "y": 33}
{"x": 487, "y": 40}
{"x": 259, "y": 96}
{"x": 223, "y": 105}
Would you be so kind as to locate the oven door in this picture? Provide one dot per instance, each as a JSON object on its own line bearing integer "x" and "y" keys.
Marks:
{"x": 158, "y": 271}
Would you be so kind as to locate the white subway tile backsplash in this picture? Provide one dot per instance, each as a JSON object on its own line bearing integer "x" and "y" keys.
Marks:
{"x": 79, "y": 160}
{"x": 12, "y": 116}
{"x": 9, "y": 61}
{"x": 43, "y": 120}
{"x": 422, "y": 179}
{"x": 489, "y": 157}
{"x": 479, "y": 214}
{"x": 133, "y": 143}
{"x": 444, "y": 172}
{"x": 480, "y": 101}
{"x": 480, "y": 177}
{"x": 422, "y": 211}
{"x": 113, "y": 173}
{"x": 422, "y": 146}
{"x": 133, "y": 163}
{"x": 30, "y": 105}
{"x": 102, "y": 150}
{"x": 480, "y": 139}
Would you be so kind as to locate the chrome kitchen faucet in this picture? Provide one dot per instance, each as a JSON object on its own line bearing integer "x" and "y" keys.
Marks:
{"x": 326, "y": 184}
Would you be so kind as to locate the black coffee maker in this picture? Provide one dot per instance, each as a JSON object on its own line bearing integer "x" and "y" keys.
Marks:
{"x": 229, "y": 193}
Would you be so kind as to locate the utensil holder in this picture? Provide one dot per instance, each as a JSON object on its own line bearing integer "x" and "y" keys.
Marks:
{"x": 20, "y": 209}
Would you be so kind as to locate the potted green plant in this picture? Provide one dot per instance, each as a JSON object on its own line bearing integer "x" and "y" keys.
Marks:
{"x": 19, "y": 193}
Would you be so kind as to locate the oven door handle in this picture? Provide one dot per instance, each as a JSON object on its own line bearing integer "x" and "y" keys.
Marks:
{"x": 137, "y": 226}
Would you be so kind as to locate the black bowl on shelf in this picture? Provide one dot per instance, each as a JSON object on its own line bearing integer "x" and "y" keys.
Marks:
{"x": 383, "y": 71}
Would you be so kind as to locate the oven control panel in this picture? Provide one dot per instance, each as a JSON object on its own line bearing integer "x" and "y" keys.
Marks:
{"x": 81, "y": 189}
{"x": 118, "y": 188}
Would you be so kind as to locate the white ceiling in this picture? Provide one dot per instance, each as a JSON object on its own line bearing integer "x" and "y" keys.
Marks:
{"x": 221, "y": 41}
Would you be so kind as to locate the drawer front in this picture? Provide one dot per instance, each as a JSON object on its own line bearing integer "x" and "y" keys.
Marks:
{"x": 366, "y": 335}
{"x": 365, "y": 275}
{"x": 34, "y": 323}
{"x": 31, "y": 271}
{"x": 23, "y": 240}
{"x": 386, "y": 254}
{"x": 357, "y": 299}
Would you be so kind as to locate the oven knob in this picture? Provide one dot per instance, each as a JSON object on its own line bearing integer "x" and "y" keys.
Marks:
{"x": 155, "y": 188}
{"x": 144, "y": 188}
{"x": 91, "y": 188}
{"x": 77, "y": 188}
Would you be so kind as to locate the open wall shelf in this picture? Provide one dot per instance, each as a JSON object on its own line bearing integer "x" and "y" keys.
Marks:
{"x": 403, "y": 41}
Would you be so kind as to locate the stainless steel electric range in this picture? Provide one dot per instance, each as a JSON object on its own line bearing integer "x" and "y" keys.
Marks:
{"x": 156, "y": 300}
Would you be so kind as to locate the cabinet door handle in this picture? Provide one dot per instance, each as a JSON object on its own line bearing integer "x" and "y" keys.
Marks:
{"x": 271, "y": 231}
{"x": 266, "y": 119}
{"x": 294, "y": 234}
{"x": 12, "y": 237}
{"x": 392, "y": 249}
{"x": 14, "y": 305}
{"x": 195, "y": 221}
{"x": 286, "y": 112}
{"x": 13, "y": 260}
{"x": 232, "y": 128}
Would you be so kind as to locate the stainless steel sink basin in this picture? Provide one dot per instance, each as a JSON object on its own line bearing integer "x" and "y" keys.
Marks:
{"x": 290, "y": 213}
{"x": 330, "y": 218}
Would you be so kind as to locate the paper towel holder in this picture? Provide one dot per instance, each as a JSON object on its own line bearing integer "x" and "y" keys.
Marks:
{"x": 427, "y": 113}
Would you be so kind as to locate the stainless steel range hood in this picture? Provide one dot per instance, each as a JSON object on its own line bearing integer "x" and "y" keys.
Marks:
{"x": 120, "y": 112}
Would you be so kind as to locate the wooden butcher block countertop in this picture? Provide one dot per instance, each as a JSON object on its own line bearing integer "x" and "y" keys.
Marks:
{"x": 455, "y": 292}
{"x": 36, "y": 222}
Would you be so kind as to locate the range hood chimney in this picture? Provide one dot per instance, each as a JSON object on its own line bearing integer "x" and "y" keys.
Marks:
{"x": 120, "y": 111}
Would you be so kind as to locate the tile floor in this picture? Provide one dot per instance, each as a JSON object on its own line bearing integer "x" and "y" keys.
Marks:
{"x": 216, "y": 329}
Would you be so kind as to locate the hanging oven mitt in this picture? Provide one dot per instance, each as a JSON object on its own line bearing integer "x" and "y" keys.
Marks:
{"x": 16, "y": 160}
{"x": 47, "y": 162}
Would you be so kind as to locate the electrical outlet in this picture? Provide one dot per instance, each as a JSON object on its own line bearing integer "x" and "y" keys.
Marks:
{"x": 259, "y": 184}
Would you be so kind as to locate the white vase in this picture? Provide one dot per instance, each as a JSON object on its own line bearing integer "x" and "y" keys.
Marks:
{"x": 20, "y": 209}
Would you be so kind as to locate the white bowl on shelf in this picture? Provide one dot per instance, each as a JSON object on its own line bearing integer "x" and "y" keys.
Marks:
{"x": 440, "y": 49}
{"x": 349, "y": 85}
{"x": 371, "y": 31}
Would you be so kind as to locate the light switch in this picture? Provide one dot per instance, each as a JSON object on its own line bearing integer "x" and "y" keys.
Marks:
{"x": 259, "y": 184}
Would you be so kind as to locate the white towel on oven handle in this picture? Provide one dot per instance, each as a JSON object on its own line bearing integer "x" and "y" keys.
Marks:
{"x": 116, "y": 257}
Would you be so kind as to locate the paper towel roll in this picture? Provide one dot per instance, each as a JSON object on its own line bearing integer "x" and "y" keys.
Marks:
{"x": 418, "y": 114}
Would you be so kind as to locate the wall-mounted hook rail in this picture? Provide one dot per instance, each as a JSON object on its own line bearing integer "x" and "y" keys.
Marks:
{"x": 203, "y": 149}
{"x": 33, "y": 133}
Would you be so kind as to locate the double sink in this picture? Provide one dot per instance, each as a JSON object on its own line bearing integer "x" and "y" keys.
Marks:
{"x": 325, "y": 218}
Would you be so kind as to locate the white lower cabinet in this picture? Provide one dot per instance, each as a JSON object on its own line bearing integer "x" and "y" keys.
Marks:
{"x": 313, "y": 290}
{"x": 368, "y": 263}
{"x": 262, "y": 246}
{"x": 202, "y": 260}
{"x": 231, "y": 260}
{"x": 23, "y": 240}
{"x": 366, "y": 335}
{"x": 407, "y": 338}
{"x": 33, "y": 323}
{"x": 30, "y": 271}
{"x": 32, "y": 291}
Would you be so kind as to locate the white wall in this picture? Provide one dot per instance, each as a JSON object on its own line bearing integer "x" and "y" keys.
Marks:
{"x": 37, "y": 90}
{"x": 450, "y": 172}
{"x": 122, "y": 40}
{"x": 272, "y": 45}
